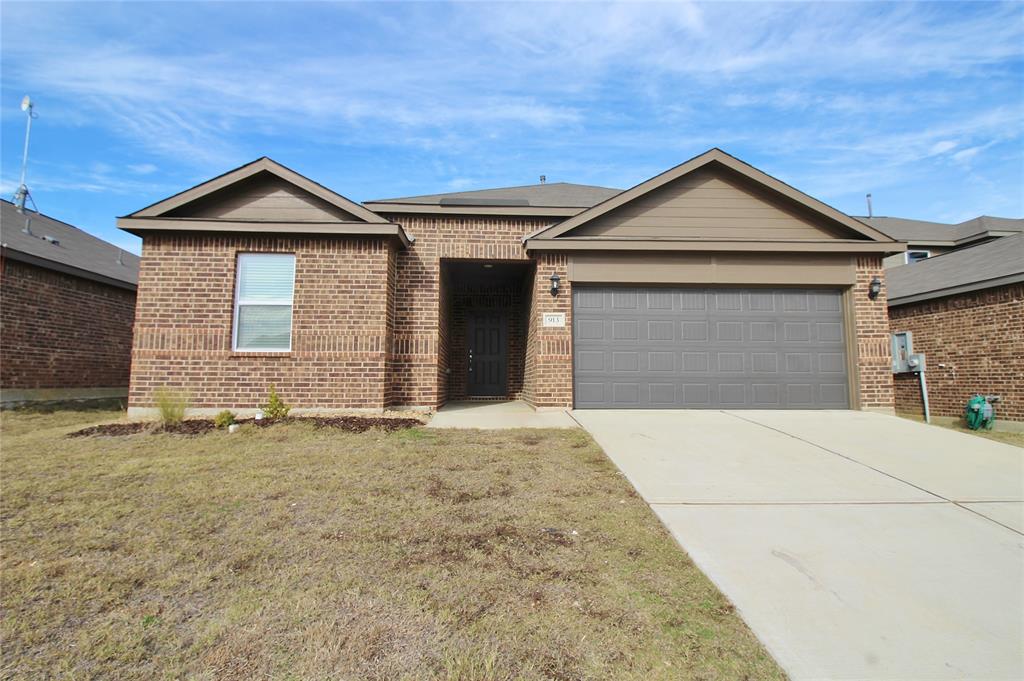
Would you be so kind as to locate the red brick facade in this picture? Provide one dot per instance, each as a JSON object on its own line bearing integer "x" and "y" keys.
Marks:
{"x": 423, "y": 329}
{"x": 375, "y": 327}
{"x": 873, "y": 346}
{"x": 342, "y": 315}
{"x": 973, "y": 343}
{"x": 548, "y": 380}
{"x": 62, "y": 331}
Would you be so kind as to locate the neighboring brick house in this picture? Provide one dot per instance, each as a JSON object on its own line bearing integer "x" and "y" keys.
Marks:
{"x": 712, "y": 285}
{"x": 965, "y": 310}
{"x": 67, "y": 302}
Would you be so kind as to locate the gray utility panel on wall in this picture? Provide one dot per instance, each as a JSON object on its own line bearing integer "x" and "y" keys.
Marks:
{"x": 709, "y": 348}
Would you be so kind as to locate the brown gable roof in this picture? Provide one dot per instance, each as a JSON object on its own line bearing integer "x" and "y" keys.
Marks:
{"x": 186, "y": 212}
{"x": 713, "y": 156}
{"x": 548, "y": 195}
{"x": 260, "y": 165}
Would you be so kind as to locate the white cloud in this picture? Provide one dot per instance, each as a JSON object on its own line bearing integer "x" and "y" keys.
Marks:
{"x": 941, "y": 147}
{"x": 965, "y": 155}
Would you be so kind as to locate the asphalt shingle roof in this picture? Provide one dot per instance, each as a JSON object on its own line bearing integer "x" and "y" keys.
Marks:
{"x": 998, "y": 261}
{"x": 548, "y": 195}
{"x": 74, "y": 248}
{"x": 904, "y": 229}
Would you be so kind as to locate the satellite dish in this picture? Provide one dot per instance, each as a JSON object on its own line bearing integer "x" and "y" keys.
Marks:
{"x": 26, "y": 103}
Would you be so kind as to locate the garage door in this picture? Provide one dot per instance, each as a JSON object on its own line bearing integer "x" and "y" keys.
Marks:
{"x": 695, "y": 348}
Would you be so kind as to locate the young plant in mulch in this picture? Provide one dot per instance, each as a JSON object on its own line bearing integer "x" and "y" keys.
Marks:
{"x": 348, "y": 424}
{"x": 171, "y": 405}
{"x": 275, "y": 409}
{"x": 224, "y": 419}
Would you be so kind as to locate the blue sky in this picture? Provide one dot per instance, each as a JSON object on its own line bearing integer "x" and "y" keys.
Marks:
{"x": 920, "y": 104}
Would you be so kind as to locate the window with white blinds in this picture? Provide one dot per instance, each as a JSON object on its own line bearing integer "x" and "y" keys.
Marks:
{"x": 263, "y": 302}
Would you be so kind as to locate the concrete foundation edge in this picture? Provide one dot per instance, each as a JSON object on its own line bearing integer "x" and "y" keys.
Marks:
{"x": 153, "y": 412}
{"x": 12, "y": 397}
{"x": 998, "y": 426}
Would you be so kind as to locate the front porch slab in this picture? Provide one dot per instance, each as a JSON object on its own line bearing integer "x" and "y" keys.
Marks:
{"x": 498, "y": 415}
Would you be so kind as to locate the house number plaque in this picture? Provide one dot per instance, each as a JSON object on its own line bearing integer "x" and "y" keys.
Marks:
{"x": 554, "y": 319}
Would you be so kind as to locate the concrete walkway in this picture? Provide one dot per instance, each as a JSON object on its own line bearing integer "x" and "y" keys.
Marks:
{"x": 856, "y": 545}
{"x": 500, "y": 415}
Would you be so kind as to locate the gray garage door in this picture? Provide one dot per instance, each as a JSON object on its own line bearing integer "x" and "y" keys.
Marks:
{"x": 697, "y": 348}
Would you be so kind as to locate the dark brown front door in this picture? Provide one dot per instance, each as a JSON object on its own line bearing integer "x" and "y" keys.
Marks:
{"x": 487, "y": 343}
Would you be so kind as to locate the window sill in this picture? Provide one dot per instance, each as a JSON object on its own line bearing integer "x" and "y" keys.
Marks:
{"x": 261, "y": 353}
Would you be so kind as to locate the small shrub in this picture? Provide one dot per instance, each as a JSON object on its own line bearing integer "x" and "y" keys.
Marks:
{"x": 275, "y": 408}
{"x": 224, "y": 419}
{"x": 171, "y": 405}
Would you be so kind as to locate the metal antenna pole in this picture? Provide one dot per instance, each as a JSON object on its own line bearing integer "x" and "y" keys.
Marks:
{"x": 22, "y": 194}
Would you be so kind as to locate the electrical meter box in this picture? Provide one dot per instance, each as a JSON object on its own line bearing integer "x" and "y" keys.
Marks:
{"x": 902, "y": 349}
{"x": 916, "y": 362}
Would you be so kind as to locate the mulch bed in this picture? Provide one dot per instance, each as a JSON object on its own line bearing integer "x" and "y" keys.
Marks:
{"x": 351, "y": 424}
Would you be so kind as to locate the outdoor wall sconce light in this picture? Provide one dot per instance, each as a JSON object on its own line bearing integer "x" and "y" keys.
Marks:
{"x": 554, "y": 283}
{"x": 874, "y": 288}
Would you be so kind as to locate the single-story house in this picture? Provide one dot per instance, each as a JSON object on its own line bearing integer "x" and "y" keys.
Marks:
{"x": 927, "y": 239}
{"x": 68, "y": 302}
{"x": 965, "y": 309}
{"x": 711, "y": 285}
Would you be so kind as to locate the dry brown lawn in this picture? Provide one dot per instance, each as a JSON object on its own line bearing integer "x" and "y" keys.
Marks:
{"x": 296, "y": 553}
{"x": 1005, "y": 436}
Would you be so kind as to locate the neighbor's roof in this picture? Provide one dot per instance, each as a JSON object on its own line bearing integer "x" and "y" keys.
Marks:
{"x": 76, "y": 251}
{"x": 941, "y": 233}
{"x": 994, "y": 263}
{"x": 548, "y": 195}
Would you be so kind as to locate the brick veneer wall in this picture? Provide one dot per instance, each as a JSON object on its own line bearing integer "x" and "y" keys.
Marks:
{"x": 444, "y": 328}
{"x": 420, "y": 376}
{"x": 979, "y": 338}
{"x": 873, "y": 345}
{"x": 62, "y": 331}
{"x": 548, "y": 376}
{"x": 389, "y": 344}
{"x": 340, "y": 321}
{"x": 389, "y": 328}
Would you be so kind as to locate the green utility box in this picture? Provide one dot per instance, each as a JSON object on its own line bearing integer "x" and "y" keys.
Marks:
{"x": 980, "y": 413}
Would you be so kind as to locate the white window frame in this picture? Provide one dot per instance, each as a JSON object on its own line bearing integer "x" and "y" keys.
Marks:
{"x": 280, "y": 302}
{"x": 906, "y": 255}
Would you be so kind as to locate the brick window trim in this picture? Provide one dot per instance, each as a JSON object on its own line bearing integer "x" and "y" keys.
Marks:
{"x": 242, "y": 354}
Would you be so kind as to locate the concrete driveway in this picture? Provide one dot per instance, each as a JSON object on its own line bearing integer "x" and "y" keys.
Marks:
{"x": 855, "y": 545}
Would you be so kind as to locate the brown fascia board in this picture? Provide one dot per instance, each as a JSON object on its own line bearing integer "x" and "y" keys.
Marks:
{"x": 980, "y": 236}
{"x": 963, "y": 241}
{"x": 716, "y": 155}
{"x": 263, "y": 164}
{"x": 29, "y": 258}
{"x": 431, "y": 209}
{"x": 926, "y": 243}
{"x": 628, "y": 244}
{"x": 140, "y": 226}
